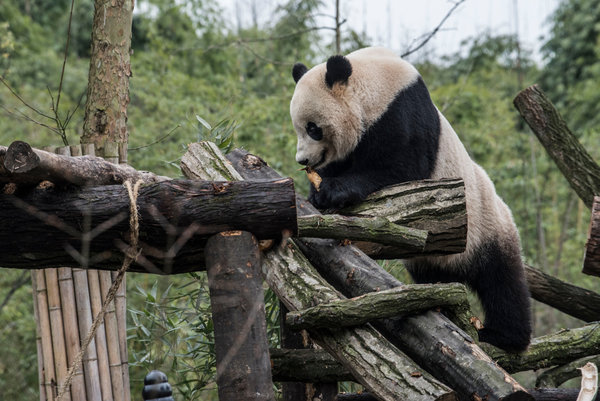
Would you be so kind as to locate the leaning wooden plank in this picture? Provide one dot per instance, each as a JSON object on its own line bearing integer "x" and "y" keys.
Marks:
{"x": 432, "y": 340}
{"x": 591, "y": 261}
{"x": 376, "y": 363}
{"x": 43, "y": 227}
{"x": 406, "y": 299}
{"x": 22, "y": 164}
{"x": 552, "y": 349}
{"x": 578, "y": 167}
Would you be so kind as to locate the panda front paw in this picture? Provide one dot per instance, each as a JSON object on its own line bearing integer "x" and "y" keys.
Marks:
{"x": 333, "y": 194}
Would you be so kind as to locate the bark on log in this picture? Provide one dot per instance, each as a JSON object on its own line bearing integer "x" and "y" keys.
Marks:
{"x": 432, "y": 340}
{"x": 176, "y": 217}
{"x": 570, "y": 299}
{"x": 238, "y": 310}
{"x": 307, "y": 365}
{"x": 435, "y": 206}
{"x": 543, "y": 394}
{"x": 556, "y": 376}
{"x": 550, "y": 350}
{"x": 26, "y": 166}
{"x": 578, "y": 167}
{"x": 404, "y": 300}
{"x": 373, "y": 229}
{"x": 591, "y": 261}
{"x": 379, "y": 365}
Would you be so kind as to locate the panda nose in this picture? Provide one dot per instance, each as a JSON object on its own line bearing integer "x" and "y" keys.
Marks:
{"x": 304, "y": 162}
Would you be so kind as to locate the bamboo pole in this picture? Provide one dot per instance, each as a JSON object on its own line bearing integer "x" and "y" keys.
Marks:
{"x": 101, "y": 343}
{"x": 46, "y": 334}
{"x": 121, "y": 311}
{"x": 67, "y": 297}
{"x": 111, "y": 152}
{"x": 84, "y": 314}
{"x": 38, "y": 338}
{"x": 112, "y": 339}
{"x": 58, "y": 331}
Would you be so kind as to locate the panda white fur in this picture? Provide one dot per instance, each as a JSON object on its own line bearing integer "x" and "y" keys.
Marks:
{"x": 365, "y": 121}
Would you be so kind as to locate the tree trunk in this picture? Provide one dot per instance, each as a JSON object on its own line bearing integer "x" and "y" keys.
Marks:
{"x": 110, "y": 69}
{"x": 26, "y": 166}
{"x": 47, "y": 228}
{"x": 570, "y": 156}
{"x": 572, "y": 300}
{"x": 238, "y": 311}
{"x": 591, "y": 262}
{"x": 552, "y": 349}
{"x": 430, "y": 339}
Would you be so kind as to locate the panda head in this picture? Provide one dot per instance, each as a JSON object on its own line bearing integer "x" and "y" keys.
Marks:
{"x": 334, "y": 103}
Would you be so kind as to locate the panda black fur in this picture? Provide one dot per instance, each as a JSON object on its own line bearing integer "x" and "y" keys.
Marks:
{"x": 366, "y": 121}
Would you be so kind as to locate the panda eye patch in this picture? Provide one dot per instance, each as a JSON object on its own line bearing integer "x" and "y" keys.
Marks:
{"x": 314, "y": 131}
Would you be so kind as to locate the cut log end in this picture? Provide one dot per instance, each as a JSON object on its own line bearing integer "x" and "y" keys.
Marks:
{"x": 20, "y": 157}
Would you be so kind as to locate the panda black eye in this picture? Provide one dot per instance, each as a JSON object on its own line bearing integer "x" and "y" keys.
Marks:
{"x": 314, "y": 131}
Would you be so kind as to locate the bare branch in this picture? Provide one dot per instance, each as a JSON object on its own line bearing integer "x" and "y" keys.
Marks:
{"x": 18, "y": 283}
{"x": 435, "y": 31}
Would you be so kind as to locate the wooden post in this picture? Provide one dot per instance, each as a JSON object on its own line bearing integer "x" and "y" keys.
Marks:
{"x": 238, "y": 310}
{"x": 591, "y": 262}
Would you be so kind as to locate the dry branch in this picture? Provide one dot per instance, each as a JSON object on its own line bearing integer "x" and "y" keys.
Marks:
{"x": 432, "y": 340}
{"x": 591, "y": 262}
{"x": 578, "y": 167}
{"x": 550, "y": 350}
{"x": 27, "y": 166}
{"x": 176, "y": 218}
{"x": 380, "y": 366}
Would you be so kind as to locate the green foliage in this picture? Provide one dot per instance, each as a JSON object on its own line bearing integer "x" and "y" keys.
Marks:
{"x": 221, "y": 134}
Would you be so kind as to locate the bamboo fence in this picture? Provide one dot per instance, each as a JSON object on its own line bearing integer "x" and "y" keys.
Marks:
{"x": 65, "y": 302}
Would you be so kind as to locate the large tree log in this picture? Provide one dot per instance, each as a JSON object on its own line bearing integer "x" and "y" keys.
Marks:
{"x": 307, "y": 365}
{"x": 578, "y": 167}
{"x": 550, "y": 350}
{"x": 591, "y": 261}
{"x": 543, "y": 394}
{"x": 376, "y": 363}
{"x": 238, "y": 310}
{"x": 24, "y": 165}
{"x": 570, "y": 299}
{"x": 47, "y": 228}
{"x": 432, "y": 340}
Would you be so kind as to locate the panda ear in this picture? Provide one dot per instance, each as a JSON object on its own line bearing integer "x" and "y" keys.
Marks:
{"x": 298, "y": 71}
{"x": 339, "y": 69}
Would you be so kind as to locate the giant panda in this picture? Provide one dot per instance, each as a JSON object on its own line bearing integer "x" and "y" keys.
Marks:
{"x": 365, "y": 121}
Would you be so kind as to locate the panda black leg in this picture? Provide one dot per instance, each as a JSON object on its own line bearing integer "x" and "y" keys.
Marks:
{"x": 502, "y": 288}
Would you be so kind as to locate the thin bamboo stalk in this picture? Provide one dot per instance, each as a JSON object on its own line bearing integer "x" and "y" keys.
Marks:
{"x": 75, "y": 150}
{"x": 46, "y": 334}
{"x": 112, "y": 339}
{"x": 72, "y": 342}
{"x": 88, "y": 149}
{"x": 121, "y": 311}
{"x": 111, "y": 152}
{"x": 38, "y": 338}
{"x": 63, "y": 150}
{"x": 58, "y": 331}
{"x": 84, "y": 315}
{"x": 101, "y": 343}
{"x": 123, "y": 153}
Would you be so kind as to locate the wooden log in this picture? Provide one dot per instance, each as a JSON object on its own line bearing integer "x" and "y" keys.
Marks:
{"x": 558, "y": 375}
{"x": 238, "y": 311}
{"x": 28, "y": 166}
{"x": 101, "y": 343}
{"x": 84, "y": 321}
{"x": 72, "y": 343}
{"x": 373, "y": 229}
{"x": 550, "y": 350}
{"x": 437, "y": 206}
{"x": 432, "y": 340}
{"x": 306, "y": 365}
{"x": 570, "y": 299}
{"x": 542, "y": 394}
{"x": 578, "y": 167}
{"x": 407, "y": 299}
{"x": 591, "y": 261}
{"x": 176, "y": 218}
{"x": 380, "y": 366}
